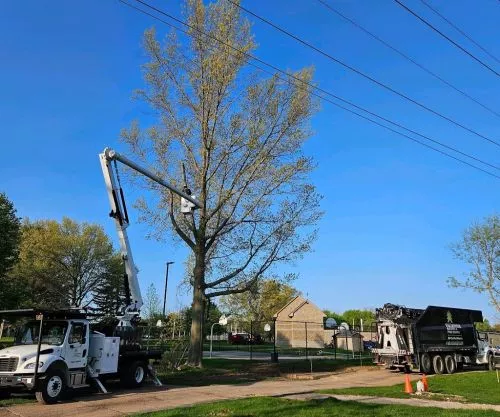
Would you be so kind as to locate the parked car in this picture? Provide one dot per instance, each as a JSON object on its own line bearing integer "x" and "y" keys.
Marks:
{"x": 369, "y": 344}
{"x": 240, "y": 338}
{"x": 244, "y": 338}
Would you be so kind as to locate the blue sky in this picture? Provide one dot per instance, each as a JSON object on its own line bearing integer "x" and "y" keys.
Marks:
{"x": 391, "y": 207}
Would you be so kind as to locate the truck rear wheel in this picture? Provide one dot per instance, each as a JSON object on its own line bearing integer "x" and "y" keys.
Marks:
{"x": 425, "y": 363}
{"x": 134, "y": 374}
{"x": 52, "y": 388}
{"x": 450, "y": 364}
{"x": 438, "y": 364}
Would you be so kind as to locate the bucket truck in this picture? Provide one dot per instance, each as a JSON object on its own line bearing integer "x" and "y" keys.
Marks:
{"x": 59, "y": 350}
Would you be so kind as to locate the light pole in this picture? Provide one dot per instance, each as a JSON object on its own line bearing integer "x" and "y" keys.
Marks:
{"x": 165, "y": 294}
{"x": 222, "y": 322}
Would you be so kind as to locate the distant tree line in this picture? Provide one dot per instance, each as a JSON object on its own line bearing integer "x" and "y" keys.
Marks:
{"x": 353, "y": 316}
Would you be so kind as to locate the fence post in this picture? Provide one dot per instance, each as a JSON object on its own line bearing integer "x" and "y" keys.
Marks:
{"x": 274, "y": 340}
{"x": 251, "y": 341}
{"x": 306, "y": 339}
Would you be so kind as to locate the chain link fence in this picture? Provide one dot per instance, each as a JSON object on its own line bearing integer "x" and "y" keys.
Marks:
{"x": 264, "y": 340}
{"x": 288, "y": 340}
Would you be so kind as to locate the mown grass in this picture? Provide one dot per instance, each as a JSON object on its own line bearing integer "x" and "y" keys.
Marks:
{"x": 274, "y": 407}
{"x": 478, "y": 387}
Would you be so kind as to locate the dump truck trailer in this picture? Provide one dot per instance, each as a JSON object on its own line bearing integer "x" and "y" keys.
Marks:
{"x": 435, "y": 340}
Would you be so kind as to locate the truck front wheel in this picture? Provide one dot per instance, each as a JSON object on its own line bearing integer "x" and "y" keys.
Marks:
{"x": 438, "y": 364}
{"x": 134, "y": 374}
{"x": 450, "y": 364}
{"x": 491, "y": 362}
{"x": 425, "y": 363}
{"x": 52, "y": 388}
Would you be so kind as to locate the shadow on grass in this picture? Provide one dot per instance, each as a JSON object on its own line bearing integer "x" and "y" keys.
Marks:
{"x": 226, "y": 371}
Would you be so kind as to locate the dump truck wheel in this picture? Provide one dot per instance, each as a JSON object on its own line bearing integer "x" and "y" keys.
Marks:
{"x": 438, "y": 364}
{"x": 450, "y": 364}
{"x": 52, "y": 388}
{"x": 425, "y": 363}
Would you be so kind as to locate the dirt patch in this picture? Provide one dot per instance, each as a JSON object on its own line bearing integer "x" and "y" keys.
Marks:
{"x": 440, "y": 397}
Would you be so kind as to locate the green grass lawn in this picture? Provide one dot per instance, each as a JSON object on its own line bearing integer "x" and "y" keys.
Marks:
{"x": 478, "y": 387}
{"x": 274, "y": 407}
{"x": 16, "y": 400}
{"x": 228, "y": 371}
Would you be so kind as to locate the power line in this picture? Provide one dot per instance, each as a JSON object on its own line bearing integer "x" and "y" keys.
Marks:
{"x": 460, "y": 30}
{"x": 368, "y": 77}
{"x": 408, "y": 58}
{"x": 435, "y": 29}
{"x": 313, "y": 87}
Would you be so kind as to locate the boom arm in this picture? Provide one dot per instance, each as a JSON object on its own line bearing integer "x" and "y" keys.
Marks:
{"x": 120, "y": 215}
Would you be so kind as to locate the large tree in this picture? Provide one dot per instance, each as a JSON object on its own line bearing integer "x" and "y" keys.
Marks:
{"x": 480, "y": 249}
{"x": 240, "y": 136}
{"x": 10, "y": 231}
{"x": 63, "y": 263}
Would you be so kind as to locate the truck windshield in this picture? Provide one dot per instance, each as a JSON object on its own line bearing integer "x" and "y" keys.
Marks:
{"x": 53, "y": 333}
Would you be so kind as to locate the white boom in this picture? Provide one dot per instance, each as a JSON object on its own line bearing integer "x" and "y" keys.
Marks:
{"x": 119, "y": 213}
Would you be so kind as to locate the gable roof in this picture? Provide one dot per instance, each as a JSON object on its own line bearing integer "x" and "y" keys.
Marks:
{"x": 304, "y": 302}
{"x": 285, "y": 306}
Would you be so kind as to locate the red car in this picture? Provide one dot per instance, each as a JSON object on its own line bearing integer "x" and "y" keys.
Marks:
{"x": 238, "y": 338}
{"x": 244, "y": 338}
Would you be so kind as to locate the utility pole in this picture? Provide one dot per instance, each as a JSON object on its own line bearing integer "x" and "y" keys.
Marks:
{"x": 165, "y": 294}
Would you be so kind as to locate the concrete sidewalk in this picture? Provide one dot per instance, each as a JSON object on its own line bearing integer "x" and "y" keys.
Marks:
{"x": 153, "y": 399}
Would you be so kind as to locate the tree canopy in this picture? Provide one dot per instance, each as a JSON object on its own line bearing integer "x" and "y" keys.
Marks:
{"x": 10, "y": 233}
{"x": 63, "y": 263}
{"x": 261, "y": 302}
{"x": 479, "y": 248}
{"x": 239, "y": 136}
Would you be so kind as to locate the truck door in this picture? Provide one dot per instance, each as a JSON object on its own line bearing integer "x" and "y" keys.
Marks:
{"x": 76, "y": 351}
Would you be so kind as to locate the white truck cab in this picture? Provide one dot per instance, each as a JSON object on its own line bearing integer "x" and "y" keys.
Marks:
{"x": 57, "y": 350}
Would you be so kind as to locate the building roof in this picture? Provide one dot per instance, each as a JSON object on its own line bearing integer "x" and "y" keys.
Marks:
{"x": 302, "y": 303}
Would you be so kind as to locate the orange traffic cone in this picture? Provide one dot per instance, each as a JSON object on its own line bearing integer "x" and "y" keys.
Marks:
{"x": 408, "y": 386}
{"x": 424, "y": 381}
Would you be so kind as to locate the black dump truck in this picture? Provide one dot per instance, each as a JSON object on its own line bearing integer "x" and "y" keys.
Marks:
{"x": 435, "y": 340}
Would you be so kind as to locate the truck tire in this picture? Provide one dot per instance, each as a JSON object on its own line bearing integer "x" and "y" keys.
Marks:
{"x": 450, "y": 364}
{"x": 491, "y": 363}
{"x": 134, "y": 374}
{"x": 425, "y": 364}
{"x": 438, "y": 364}
{"x": 52, "y": 388}
{"x": 4, "y": 395}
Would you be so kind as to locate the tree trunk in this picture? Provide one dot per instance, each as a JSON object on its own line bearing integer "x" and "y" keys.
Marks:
{"x": 196, "y": 339}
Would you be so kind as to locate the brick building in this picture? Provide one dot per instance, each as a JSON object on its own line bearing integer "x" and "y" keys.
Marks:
{"x": 299, "y": 324}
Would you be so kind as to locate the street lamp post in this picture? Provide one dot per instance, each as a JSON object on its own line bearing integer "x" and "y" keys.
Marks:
{"x": 165, "y": 294}
{"x": 222, "y": 322}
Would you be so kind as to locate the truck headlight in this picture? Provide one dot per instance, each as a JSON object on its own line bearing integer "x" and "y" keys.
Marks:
{"x": 32, "y": 365}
